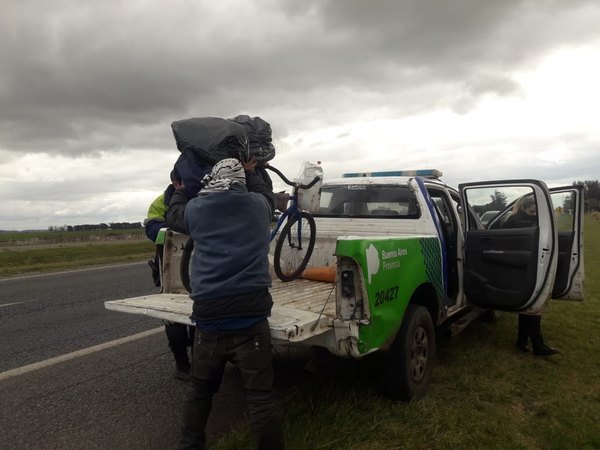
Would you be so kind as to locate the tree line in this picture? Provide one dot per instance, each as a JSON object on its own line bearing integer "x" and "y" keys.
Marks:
{"x": 98, "y": 226}
{"x": 591, "y": 194}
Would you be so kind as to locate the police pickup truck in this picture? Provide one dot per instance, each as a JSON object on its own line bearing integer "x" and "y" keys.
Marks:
{"x": 410, "y": 256}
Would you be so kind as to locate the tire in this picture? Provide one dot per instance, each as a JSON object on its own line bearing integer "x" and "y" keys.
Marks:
{"x": 290, "y": 258}
{"x": 408, "y": 364}
{"x": 184, "y": 266}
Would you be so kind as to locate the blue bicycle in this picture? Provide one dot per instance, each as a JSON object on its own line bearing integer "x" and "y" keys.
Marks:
{"x": 297, "y": 238}
{"x": 295, "y": 243}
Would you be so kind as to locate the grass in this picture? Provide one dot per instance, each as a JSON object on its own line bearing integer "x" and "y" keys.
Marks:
{"x": 484, "y": 393}
{"x": 34, "y": 237}
{"x": 37, "y": 251}
{"x": 17, "y": 260}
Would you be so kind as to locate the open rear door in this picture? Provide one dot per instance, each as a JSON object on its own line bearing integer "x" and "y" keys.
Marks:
{"x": 510, "y": 265}
{"x": 568, "y": 217}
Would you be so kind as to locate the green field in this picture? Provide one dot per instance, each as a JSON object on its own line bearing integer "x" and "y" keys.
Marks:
{"x": 14, "y": 261}
{"x": 33, "y": 237}
{"x": 485, "y": 394}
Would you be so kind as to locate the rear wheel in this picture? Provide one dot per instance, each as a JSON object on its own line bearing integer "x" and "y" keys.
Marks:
{"x": 294, "y": 246}
{"x": 409, "y": 361}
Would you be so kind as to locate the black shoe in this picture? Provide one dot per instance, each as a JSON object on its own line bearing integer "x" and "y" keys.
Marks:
{"x": 544, "y": 350}
{"x": 182, "y": 373}
{"x": 523, "y": 347}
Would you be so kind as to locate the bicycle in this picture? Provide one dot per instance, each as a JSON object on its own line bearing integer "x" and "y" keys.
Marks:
{"x": 299, "y": 233}
{"x": 289, "y": 262}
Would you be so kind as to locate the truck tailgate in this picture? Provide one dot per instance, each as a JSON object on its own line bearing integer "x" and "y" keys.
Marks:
{"x": 301, "y": 308}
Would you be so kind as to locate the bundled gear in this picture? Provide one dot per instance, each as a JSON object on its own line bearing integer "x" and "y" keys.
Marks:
{"x": 211, "y": 139}
{"x": 204, "y": 141}
{"x": 259, "y": 137}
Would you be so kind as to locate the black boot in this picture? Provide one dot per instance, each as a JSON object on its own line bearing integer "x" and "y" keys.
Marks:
{"x": 523, "y": 333}
{"x": 177, "y": 334}
{"x": 537, "y": 340}
{"x": 182, "y": 367}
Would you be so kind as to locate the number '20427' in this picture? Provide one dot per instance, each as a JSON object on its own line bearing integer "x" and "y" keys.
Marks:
{"x": 386, "y": 295}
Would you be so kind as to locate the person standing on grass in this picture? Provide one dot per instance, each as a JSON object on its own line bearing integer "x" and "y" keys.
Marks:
{"x": 179, "y": 336}
{"x": 229, "y": 222}
{"x": 524, "y": 215}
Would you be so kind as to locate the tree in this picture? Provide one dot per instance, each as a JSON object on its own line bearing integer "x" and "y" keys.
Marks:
{"x": 591, "y": 190}
{"x": 568, "y": 204}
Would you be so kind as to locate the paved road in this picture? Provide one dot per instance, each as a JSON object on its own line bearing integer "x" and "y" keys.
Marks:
{"x": 49, "y": 315}
{"x": 119, "y": 396}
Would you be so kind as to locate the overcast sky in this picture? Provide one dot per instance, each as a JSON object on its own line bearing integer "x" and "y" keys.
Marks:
{"x": 479, "y": 89}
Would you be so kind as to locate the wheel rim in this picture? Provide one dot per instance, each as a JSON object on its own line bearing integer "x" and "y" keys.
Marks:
{"x": 418, "y": 354}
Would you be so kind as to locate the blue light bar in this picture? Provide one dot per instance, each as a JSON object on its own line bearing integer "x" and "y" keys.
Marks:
{"x": 427, "y": 173}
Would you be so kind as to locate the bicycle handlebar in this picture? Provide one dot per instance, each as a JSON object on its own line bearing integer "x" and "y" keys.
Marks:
{"x": 311, "y": 184}
{"x": 291, "y": 183}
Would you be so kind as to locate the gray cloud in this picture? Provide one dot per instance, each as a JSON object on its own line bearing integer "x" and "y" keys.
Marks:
{"x": 88, "y": 79}
{"x": 82, "y": 76}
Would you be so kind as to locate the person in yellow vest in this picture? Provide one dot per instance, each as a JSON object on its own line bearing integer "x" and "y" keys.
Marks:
{"x": 180, "y": 336}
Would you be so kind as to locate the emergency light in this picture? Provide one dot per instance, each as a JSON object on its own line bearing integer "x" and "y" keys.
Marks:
{"x": 427, "y": 173}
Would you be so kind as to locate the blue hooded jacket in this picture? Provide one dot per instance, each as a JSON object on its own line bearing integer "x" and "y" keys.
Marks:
{"x": 231, "y": 232}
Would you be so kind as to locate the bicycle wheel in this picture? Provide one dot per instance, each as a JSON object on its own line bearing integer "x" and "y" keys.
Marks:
{"x": 184, "y": 267}
{"x": 294, "y": 246}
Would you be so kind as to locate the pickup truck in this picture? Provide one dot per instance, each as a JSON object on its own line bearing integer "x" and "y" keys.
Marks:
{"x": 410, "y": 256}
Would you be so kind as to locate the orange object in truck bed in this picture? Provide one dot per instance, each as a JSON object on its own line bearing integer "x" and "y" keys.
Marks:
{"x": 325, "y": 273}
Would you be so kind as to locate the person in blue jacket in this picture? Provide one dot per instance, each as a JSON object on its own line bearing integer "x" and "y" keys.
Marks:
{"x": 179, "y": 336}
{"x": 229, "y": 222}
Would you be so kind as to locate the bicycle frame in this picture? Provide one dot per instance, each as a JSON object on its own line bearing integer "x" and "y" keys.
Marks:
{"x": 293, "y": 210}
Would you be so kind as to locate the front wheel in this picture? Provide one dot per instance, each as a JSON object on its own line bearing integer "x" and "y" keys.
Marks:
{"x": 409, "y": 361}
{"x": 294, "y": 246}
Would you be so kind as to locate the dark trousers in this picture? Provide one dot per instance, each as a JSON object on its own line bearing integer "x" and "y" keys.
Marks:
{"x": 250, "y": 350}
{"x": 180, "y": 337}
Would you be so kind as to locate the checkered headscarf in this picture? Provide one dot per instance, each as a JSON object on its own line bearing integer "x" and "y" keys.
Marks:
{"x": 223, "y": 175}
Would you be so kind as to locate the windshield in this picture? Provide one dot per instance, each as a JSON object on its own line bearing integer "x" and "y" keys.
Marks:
{"x": 360, "y": 200}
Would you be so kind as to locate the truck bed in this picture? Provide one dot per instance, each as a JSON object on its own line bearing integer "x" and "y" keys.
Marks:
{"x": 301, "y": 308}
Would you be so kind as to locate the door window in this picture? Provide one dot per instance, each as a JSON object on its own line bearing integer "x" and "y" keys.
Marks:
{"x": 368, "y": 201}
{"x": 564, "y": 210}
{"x": 505, "y": 206}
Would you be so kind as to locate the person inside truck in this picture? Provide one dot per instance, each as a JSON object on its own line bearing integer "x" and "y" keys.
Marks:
{"x": 524, "y": 215}
{"x": 229, "y": 222}
{"x": 179, "y": 336}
